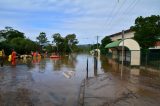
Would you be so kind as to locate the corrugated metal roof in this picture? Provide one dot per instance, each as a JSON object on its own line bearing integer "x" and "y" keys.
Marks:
{"x": 119, "y": 33}
{"x": 113, "y": 44}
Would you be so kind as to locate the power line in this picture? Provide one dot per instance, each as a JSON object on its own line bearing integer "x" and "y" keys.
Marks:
{"x": 116, "y": 8}
{"x": 97, "y": 42}
{"x": 127, "y": 10}
{"x": 116, "y": 13}
{"x": 110, "y": 14}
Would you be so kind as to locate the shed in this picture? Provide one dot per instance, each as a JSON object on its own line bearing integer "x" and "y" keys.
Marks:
{"x": 131, "y": 51}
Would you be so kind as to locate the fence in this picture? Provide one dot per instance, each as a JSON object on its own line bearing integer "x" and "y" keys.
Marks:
{"x": 148, "y": 59}
{"x": 118, "y": 57}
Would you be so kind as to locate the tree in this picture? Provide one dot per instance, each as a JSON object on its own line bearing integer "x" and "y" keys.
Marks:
{"x": 59, "y": 42}
{"x": 65, "y": 44}
{"x": 147, "y": 29}
{"x": 71, "y": 38}
{"x": 26, "y": 44}
{"x": 57, "y": 38}
{"x": 49, "y": 48}
{"x": 106, "y": 40}
{"x": 95, "y": 46}
{"x": 71, "y": 42}
{"x": 9, "y": 33}
{"x": 42, "y": 39}
{"x": 6, "y": 46}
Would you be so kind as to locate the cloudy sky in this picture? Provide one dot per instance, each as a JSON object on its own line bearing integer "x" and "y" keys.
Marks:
{"x": 85, "y": 18}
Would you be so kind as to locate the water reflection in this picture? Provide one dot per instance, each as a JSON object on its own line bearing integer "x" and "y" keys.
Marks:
{"x": 15, "y": 83}
{"x": 22, "y": 97}
{"x": 109, "y": 64}
{"x": 43, "y": 80}
{"x": 95, "y": 66}
{"x": 42, "y": 66}
{"x": 135, "y": 71}
{"x": 68, "y": 61}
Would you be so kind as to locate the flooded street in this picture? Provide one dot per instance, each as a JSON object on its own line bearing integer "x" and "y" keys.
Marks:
{"x": 49, "y": 83}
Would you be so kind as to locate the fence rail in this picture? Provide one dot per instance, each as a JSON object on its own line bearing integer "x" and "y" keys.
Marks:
{"x": 148, "y": 59}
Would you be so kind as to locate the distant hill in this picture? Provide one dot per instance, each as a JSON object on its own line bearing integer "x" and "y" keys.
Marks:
{"x": 85, "y": 47}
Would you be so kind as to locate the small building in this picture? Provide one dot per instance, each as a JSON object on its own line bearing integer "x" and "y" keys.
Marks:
{"x": 131, "y": 51}
{"x": 95, "y": 52}
{"x": 133, "y": 56}
{"x": 131, "y": 47}
{"x": 130, "y": 34}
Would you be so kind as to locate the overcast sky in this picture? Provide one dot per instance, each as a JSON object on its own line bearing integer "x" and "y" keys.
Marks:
{"x": 85, "y": 18}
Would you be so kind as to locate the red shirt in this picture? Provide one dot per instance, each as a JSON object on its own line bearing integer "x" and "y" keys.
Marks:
{"x": 13, "y": 55}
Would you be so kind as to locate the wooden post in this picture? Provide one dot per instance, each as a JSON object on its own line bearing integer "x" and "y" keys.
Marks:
{"x": 122, "y": 52}
{"x": 87, "y": 69}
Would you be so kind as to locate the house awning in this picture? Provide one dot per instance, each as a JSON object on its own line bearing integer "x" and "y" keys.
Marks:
{"x": 129, "y": 43}
{"x": 113, "y": 44}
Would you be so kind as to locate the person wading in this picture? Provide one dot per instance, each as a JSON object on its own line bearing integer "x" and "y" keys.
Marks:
{"x": 13, "y": 57}
{"x": 2, "y": 56}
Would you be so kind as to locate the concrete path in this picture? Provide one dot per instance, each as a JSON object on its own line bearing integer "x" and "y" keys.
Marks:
{"x": 112, "y": 90}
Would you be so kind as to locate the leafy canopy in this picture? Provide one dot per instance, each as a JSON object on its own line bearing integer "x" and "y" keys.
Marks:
{"x": 147, "y": 29}
{"x": 42, "y": 39}
{"x": 9, "y": 33}
{"x": 65, "y": 44}
{"x": 106, "y": 40}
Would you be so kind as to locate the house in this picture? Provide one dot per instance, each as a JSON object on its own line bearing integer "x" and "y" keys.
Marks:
{"x": 157, "y": 44}
{"x": 130, "y": 34}
{"x": 127, "y": 34}
{"x": 131, "y": 48}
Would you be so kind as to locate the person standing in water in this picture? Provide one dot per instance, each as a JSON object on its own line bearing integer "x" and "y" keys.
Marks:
{"x": 2, "y": 56}
{"x": 13, "y": 57}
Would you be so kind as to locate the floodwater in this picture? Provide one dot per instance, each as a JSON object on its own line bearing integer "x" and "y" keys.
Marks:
{"x": 56, "y": 82}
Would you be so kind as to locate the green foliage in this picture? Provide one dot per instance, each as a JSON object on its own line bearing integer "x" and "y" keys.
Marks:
{"x": 95, "y": 46}
{"x": 147, "y": 29}
{"x": 71, "y": 43}
{"x": 59, "y": 42}
{"x": 42, "y": 39}
{"x": 106, "y": 40}
{"x": 26, "y": 44}
{"x": 71, "y": 39}
{"x": 9, "y": 33}
{"x": 49, "y": 48}
{"x": 84, "y": 48}
{"x": 6, "y": 46}
{"x": 14, "y": 39}
{"x": 65, "y": 44}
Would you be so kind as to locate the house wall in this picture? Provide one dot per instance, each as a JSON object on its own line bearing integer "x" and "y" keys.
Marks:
{"x": 126, "y": 35}
{"x": 157, "y": 44}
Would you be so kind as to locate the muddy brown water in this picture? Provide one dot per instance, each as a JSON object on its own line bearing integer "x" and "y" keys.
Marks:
{"x": 44, "y": 82}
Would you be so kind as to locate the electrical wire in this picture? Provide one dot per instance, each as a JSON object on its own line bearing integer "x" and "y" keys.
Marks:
{"x": 127, "y": 10}
{"x": 116, "y": 13}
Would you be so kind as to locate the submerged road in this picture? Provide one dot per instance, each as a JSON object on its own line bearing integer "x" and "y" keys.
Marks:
{"x": 44, "y": 83}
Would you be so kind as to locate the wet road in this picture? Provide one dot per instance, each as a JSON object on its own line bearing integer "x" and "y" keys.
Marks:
{"x": 44, "y": 83}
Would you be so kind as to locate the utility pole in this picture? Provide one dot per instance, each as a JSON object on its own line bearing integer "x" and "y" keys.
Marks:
{"x": 122, "y": 52}
{"x": 87, "y": 69}
{"x": 97, "y": 42}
